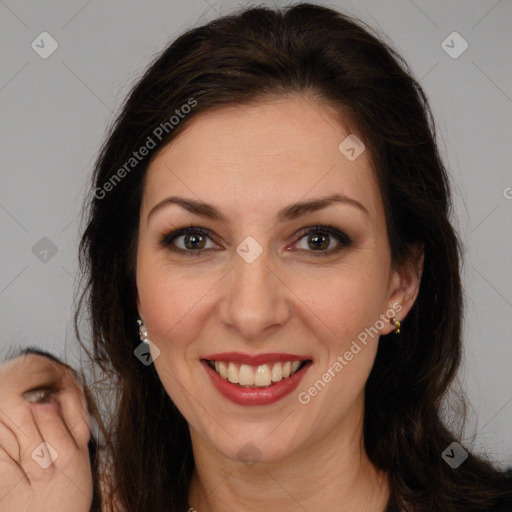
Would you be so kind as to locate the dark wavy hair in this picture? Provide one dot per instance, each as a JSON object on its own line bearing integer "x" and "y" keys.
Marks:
{"x": 250, "y": 56}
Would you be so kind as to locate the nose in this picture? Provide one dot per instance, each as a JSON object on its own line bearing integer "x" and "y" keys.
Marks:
{"x": 256, "y": 302}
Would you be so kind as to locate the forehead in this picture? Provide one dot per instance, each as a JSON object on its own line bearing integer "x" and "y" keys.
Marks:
{"x": 22, "y": 368}
{"x": 271, "y": 152}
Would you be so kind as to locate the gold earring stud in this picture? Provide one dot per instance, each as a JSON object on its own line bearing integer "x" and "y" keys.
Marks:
{"x": 396, "y": 323}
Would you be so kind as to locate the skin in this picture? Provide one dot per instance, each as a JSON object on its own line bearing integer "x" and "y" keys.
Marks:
{"x": 251, "y": 161}
{"x": 59, "y": 419}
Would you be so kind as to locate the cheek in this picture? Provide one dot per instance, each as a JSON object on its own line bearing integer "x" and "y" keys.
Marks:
{"x": 167, "y": 300}
{"x": 171, "y": 299}
{"x": 344, "y": 302}
{"x": 344, "y": 327}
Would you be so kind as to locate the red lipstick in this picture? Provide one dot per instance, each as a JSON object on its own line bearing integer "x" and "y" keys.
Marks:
{"x": 254, "y": 395}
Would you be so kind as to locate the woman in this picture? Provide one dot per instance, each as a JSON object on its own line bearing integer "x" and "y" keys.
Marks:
{"x": 273, "y": 280}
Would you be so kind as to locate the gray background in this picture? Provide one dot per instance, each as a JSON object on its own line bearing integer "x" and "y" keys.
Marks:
{"x": 55, "y": 112}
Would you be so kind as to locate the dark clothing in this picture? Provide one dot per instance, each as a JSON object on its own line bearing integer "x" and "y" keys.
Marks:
{"x": 504, "y": 504}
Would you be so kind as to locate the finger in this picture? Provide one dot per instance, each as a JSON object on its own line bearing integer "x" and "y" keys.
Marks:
{"x": 9, "y": 441}
{"x": 60, "y": 452}
{"x": 33, "y": 434}
{"x": 31, "y": 444}
{"x": 60, "y": 448}
{"x": 74, "y": 410}
{"x": 10, "y": 468}
{"x": 71, "y": 398}
{"x": 12, "y": 478}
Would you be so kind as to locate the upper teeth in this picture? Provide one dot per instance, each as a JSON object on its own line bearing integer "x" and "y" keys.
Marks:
{"x": 260, "y": 376}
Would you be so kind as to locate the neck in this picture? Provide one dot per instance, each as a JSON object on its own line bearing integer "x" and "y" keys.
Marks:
{"x": 333, "y": 473}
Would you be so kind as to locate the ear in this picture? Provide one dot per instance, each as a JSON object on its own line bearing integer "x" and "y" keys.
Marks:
{"x": 404, "y": 286}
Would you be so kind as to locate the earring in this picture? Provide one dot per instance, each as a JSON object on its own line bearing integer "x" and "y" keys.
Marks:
{"x": 396, "y": 323}
{"x": 143, "y": 332}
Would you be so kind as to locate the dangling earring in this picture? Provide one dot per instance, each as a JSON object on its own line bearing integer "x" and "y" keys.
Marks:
{"x": 396, "y": 323}
{"x": 143, "y": 332}
{"x": 148, "y": 354}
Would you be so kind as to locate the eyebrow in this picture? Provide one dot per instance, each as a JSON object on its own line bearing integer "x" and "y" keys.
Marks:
{"x": 288, "y": 213}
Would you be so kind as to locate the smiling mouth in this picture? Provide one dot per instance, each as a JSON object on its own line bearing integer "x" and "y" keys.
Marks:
{"x": 260, "y": 376}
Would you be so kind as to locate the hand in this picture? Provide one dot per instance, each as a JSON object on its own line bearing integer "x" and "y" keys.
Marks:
{"x": 44, "y": 434}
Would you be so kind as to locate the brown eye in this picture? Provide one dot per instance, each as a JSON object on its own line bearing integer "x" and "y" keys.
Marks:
{"x": 194, "y": 240}
{"x": 318, "y": 239}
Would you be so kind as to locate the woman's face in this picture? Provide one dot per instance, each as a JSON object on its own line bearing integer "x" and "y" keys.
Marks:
{"x": 258, "y": 288}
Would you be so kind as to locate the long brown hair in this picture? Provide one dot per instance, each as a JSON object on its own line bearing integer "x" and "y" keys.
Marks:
{"x": 242, "y": 58}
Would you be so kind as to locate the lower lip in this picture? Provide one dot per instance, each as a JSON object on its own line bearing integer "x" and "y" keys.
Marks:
{"x": 255, "y": 396}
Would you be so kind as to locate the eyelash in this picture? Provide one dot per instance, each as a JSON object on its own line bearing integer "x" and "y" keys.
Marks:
{"x": 169, "y": 238}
